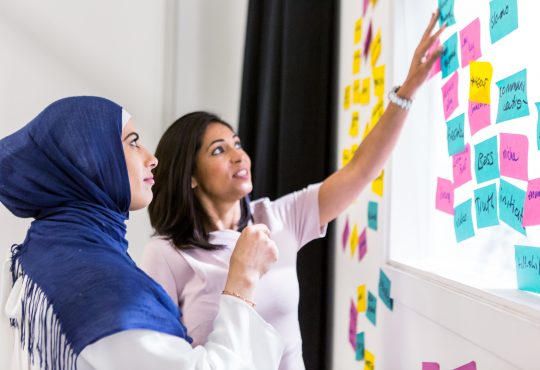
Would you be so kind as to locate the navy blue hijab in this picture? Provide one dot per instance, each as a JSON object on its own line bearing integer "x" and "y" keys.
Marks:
{"x": 66, "y": 169}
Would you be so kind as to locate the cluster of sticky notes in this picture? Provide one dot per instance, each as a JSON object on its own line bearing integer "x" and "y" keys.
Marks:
{"x": 366, "y": 302}
{"x": 354, "y": 239}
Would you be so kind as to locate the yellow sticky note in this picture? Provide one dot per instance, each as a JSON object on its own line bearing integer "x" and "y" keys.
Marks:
{"x": 354, "y": 240}
{"x": 374, "y": 2}
{"x": 481, "y": 73}
{"x": 356, "y": 91}
{"x": 378, "y": 81}
{"x": 378, "y": 184}
{"x": 353, "y": 149}
{"x": 376, "y": 47}
{"x": 345, "y": 157}
{"x": 353, "y": 129}
{"x": 347, "y": 97}
{"x": 369, "y": 360}
{"x": 377, "y": 112}
{"x": 362, "y": 301}
{"x": 358, "y": 31}
{"x": 367, "y": 129}
{"x": 365, "y": 92}
{"x": 356, "y": 61}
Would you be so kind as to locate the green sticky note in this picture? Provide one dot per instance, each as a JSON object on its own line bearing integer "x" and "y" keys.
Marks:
{"x": 486, "y": 160}
{"x": 449, "y": 56}
{"x": 503, "y": 18}
{"x": 371, "y": 312}
{"x": 463, "y": 221}
{"x": 528, "y": 268}
{"x": 372, "y": 215}
{"x": 485, "y": 204}
{"x": 455, "y": 135}
{"x": 384, "y": 290}
{"x": 511, "y": 202}
{"x": 513, "y": 101}
{"x": 360, "y": 346}
{"x": 446, "y": 12}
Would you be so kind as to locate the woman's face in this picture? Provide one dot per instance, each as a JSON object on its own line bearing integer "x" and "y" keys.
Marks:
{"x": 223, "y": 168}
{"x": 140, "y": 163}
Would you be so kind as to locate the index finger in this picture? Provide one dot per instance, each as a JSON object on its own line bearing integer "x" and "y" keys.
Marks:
{"x": 431, "y": 24}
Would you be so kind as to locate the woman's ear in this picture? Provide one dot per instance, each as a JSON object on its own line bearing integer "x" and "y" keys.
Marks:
{"x": 193, "y": 182}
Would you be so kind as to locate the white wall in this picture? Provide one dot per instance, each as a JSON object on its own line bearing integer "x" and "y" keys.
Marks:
{"x": 159, "y": 59}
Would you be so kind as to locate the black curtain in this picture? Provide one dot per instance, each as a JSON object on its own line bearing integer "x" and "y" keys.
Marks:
{"x": 286, "y": 125}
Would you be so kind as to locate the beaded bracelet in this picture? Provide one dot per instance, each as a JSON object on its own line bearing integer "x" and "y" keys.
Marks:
{"x": 234, "y": 294}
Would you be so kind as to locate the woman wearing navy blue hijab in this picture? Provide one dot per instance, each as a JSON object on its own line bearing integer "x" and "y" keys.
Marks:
{"x": 71, "y": 297}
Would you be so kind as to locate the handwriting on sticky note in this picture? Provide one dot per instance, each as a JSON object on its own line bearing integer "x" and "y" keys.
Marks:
{"x": 345, "y": 157}
{"x": 528, "y": 268}
{"x": 347, "y": 97}
{"x": 479, "y": 116}
{"x": 446, "y": 12}
{"x": 486, "y": 162}
{"x": 485, "y": 203}
{"x": 371, "y": 311}
{"x": 463, "y": 225}
{"x": 358, "y": 31}
{"x": 356, "y": 62}
{"x": 353, "y": 316}
{"x": 449, "y": 56}
{"x": 384, "y": 290}
{"x": 378, "y": 184}
{"x": 469, "y": 39}
{"x": 362, "y": 245}
{"x": 445, "y": 196}
{"x": 354, "y": 240}
{"x": 514, "y": 155}
{"x": 362, "y": 298}
{"x": 503, "y": 18}
{"x": 531, "y": 211}
{"x": 450, "y": 95}
{"x": 356, "y": 91}
{"x": 365, "y": 91}
{"x": 378, "y": 81}
{"x": 369, "y": 360}
{"x": 511, "y": 202}
{"x": 353, "y": 129}
{"x": 513, "y": 97}
{"x": 360, "y": 346}
{"x": 455, "y": 134}
{"x": 461, "y": 167}
{"x": 480, "y": 82}
{"x": 372, "y": 215}
{"x": 376, "y": 48}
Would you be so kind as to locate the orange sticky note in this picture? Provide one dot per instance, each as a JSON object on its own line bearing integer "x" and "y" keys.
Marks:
{"x": 378, "y": 81}
{"x": 347, "y": 97}
{"x": 356, "y": 92}
{"x": 378, "y": 184}
{"x": 376, "y": 47}
{"x": 354, "y": 240}
{"x": 369, "y": 360}
{"x": 362, "y": 301}
{"x": 353, "y": 129}
{"x": 356, "y": 61}
{"x": 365, "y": 91}
{"x": 358, "y": 31}
{"x": 481, "y": 73}
{"x": 377, "y": 112}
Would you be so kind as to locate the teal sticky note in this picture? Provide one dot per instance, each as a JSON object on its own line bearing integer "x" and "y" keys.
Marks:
{"x": 384, "y": 290}
{"x": 511, "y": 202}
{"x": 513, "y": 101}
{"x": 371, "y": 312}
{"x": 463, "y": 224}
{"x": 485, "y": 204}
{"x": 528, "y": 268}
{"x": 486, "y": 160}
{"x": 455, "y": 135}
{"x": 538, "y": 126}
{"x": 449, "y": 56}
{"x": 372, "y": 215}
{"x": 503, "y": 18}
{"x": 360, "y": 346}
{"x": 446, "y": 12}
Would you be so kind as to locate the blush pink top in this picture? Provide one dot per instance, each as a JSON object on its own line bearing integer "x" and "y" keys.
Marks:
{"x": 195, "y": 278}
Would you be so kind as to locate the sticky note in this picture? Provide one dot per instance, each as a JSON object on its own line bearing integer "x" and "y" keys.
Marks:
{"x": 346, "y": 156}
{"x": 356, "y": 61}
{"x": 353, "y": 316}
{"x": 376, "y": 47}
{"x": 345, "y": 234}
{"x": 486, "y": 161}
{"x": 378, "y": 81}
{"x": 384, "y": 290}
{"x": 479, "y": 116}
{"x": 367, "y": 41}
{"x": 362, "y": 245}
{"x": 463, "y": 225}
{"x": 446, "y": 12}
{"x": 369, "y": 360}
{"x": 347, "y": 97}
{"x": 378, "y": 184}
{"x": 485, "y": 204}
{"x": 356, "y": 91}
{"x": 450, "y": 95}
{"x": 469, "y": 41}
{"x": 353, "y": 129}
{"x": 461, "y": 167}
{"x": 436, "y": 67}
{"x": 353, "y": 149}
{"x": 371, "y": 312}
{"x": 372, "y": 215}
{"x": 364, "y": 8}
{"x": 353, "y": 242}
{"x": 528, "y": 268}
{"x": 513, "y": 156}
{"x": 367, "y": 129}
{"x": 480, "y": 82}
{"x": 455, "y": 135}
{"x": 444, "y": 199}
{"x": 503, "y": 18}
{"x": 449, "y": 56}
{"x": 365, "y": 91}
{"x": 531, "y": 211}
{"x": 538, "y": 126}
{"x": 362, "y": 299}
{"x": 377, "y": 112}
{"x": 360, "y": 346}
{"x": 469, "y": 366}
{"x": 511, "y": 202}
{"x": 358, "y": 31}
{"x": 430, "y": 366}
{"x": 513, "y": 97}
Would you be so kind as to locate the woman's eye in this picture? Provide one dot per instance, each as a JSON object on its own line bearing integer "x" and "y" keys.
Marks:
{"x": 134, "y": 143}
{"x": 238, "y": 145}
{"x": 217, "y": 150}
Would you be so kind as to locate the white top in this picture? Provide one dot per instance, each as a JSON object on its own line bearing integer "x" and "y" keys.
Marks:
{"x": 195, "y": 278}
{"x": 241, "y": 340}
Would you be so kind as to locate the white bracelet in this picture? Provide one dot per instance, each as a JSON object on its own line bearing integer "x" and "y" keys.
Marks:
{"x": 403, "y": 103}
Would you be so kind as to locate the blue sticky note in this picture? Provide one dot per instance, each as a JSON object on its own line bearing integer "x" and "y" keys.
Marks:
{"x": 486, "y": 160}
{"x": 463, "y": 221}
{"x": 528, "y": 268}
{"x": 511, "y": 202}
{"x": 371, "y": 312}
{"x": 538, "y": 126}
{"x": 455, "y": 135}
{"x": 372, "y": 215}
{"x": 360, "y": 346}
{"x": 449, "y": 56}
{"x": 503, "y": 18}
{"x": 513, "y": 101}
{"x": 485, "y": 204}
{"x": 384, "y": 290}
{"x": 446, "y": 12}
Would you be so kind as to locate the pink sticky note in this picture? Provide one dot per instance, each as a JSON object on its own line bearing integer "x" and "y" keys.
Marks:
{"x": 479, "y": 116}
{"x": 362, "y": 245}
{"x": 436, "y": 67}
{"x": 531, "y": 212}
{"x": 450, "y": 95}
{"x": 430, "y": 366}
{"x": 513, "y": 156}
{"x": 445, "y": 196}
{"x": 353, "y": 315}
{"x": 469, "y": 40}
{"x": 364, "y": 9}
{"x": 345, "y": 235}
{"x": 461, "y": 166}
{"x": 470, "y": 366}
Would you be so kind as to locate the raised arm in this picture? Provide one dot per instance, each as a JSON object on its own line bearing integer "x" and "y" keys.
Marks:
{"x": 343, "y": 186}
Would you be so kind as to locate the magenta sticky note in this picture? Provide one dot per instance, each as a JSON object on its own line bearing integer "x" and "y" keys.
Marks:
{"x": 450, "y": 95}
{"x": 367, "y": 42}
{"x": 445, "y": 196}
{"x": 513, "y": 156}
{"x": 479, "y": 116}
{"x": 430, "y": 366}
{"x": 469, "y": 41}
{"x": 362, "y": 245}
{"x": 353, "y": 316}
{"x": 436, "y": 67}
{"x": 364, "y": 8}
{"x": 345, "y": 234}
{"x": 469, "y": 366}
{"x": 531, "y": 211}
{"x": 461, "y": 167}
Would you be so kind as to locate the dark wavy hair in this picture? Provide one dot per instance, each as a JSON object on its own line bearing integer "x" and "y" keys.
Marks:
{"x": 175, "y": 211}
